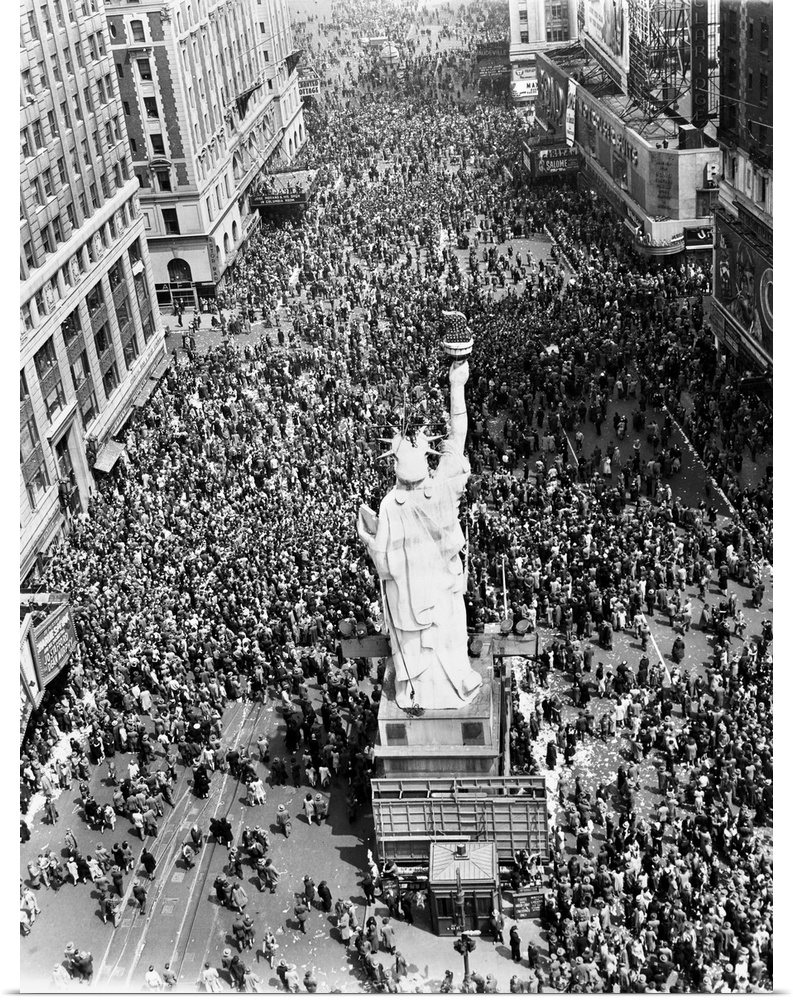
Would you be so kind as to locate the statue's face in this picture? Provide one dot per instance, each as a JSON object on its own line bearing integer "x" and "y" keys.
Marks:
{"x": 410, "y": 463}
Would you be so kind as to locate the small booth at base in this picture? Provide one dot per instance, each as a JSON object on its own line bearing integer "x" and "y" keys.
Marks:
{"x": 463, "y": 885}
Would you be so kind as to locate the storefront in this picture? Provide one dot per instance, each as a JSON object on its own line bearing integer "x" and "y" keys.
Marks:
{"x": 463, "y": 886}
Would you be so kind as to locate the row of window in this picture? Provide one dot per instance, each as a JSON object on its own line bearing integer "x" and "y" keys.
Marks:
{"x": 72, "y": 273}
{"x": 73, "y": 8}
{"x": 764, "y": 35}
{"x": 48, "y": 371}
{"x": 53, "y": 231}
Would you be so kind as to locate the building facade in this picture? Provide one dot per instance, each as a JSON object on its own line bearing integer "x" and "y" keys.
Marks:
{"x": 210, "y": 97}
{"x": 741, "y": 314}
{"x": 663, "y": 187}
{"x": 91, "y": 336}
{"x": 536, "y": 26}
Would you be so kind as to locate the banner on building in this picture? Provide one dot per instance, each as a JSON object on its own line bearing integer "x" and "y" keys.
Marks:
{"x": 55, "y": 640}
{"x": 606, "y": 36}
{"x": 744, "y": 281}
{"x": 569, "y": 121}
{"x": 555, "y": 160}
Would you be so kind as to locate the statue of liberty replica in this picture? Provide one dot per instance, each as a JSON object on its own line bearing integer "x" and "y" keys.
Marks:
{"x": 415, "y": 543}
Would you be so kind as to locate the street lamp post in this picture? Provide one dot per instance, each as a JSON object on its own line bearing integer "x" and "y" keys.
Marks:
{"x": 465, "y": 943}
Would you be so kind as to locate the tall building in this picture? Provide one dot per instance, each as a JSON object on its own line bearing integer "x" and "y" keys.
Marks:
{"x": 210, "y": 97}
{"x": 90, "y": 327}
{"x": 536, "y": 26}
{"x": 741, "y": 315}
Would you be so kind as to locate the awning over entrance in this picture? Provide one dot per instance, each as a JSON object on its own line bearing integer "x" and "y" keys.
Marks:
{"x": 108, "y": 456}
{"x": 155, "y": 377}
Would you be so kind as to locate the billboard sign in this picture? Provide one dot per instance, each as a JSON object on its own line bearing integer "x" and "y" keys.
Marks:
{"x": 55, "y": 640}
{"x": 569, "y": 121}
{"x": 556, "y": 160}
{"x": 699, "y": 62}
{"x": 606, "y": 36}
{"x": 744, "y": 281}
{"x": 698, "y": 239}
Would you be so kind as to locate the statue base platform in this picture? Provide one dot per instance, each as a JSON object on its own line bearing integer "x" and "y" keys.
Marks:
{"x": 443, "y": 742}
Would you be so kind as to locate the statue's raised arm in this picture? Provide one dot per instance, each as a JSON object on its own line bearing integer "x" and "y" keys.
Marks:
{"x": 458, "y": 420}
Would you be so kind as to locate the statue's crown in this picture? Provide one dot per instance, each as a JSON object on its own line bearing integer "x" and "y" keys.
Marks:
{"x": 410, "y": 454}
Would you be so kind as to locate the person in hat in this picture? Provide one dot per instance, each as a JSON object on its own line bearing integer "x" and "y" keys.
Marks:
{"x": 61, "y": 979}
{"x": 140, "y": 895}
{"x": 309, "y": 891}
{"x": 301, "y": 913}
{"x": 153, "y": 980}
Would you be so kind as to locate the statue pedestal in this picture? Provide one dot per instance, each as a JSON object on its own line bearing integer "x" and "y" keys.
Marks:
{"x": 443, "y": 742}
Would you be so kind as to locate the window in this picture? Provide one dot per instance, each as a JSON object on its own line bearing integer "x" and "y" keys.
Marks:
{"x": 94, "y": 195}
{"x": 71, "y": 215}
{"x": 473, "y": 734}
{"x": 71, "y": 328}
{"x": 63, "y": 177}
{"x": 105, "y": 187}
{"x": 523, "y": 15}
{"x": 100, "y": 86}
{"x": 144, "y": 68}
{"x": 67, "y": 59}
{"x": 89, "y": 408}
{"x": 32, "y": 24}
{"x": 116, "y": 276}
{"x": 150, "y": 104}
{"x": 163, "y": 175}
{"x": 95, "y": 301}
{"x": 27, "y": 317}
{"x": 78, "y": 111}
{"x": 38, "y": 190}
{"x": 38, "y": 135}
{"x": 45, "y": 359}
{"x": 52, "y": 124}
{"x": 136, "y": 29}
{"x": 763, "y": 87}
{"x": 80, "y": 370}
{"x": 30, "y": 258}
{"x": 36, "y": 483}
{"x": 47, "y": 179}
{"x": 45, "y": 17}
{"x": 28, "y": 438}
{"x": 117, "y": 177}
{"x": 396, "y": 734}
{"x": 732, "y": 24}
{"x": 764, "y": 36}
{"x": 171, "y": 221}
{"x": 57, "y": 231}
{"x": 123, "y": 313}
{"x": 131, "y": 351}
{"x": 134, "y": 253}
{"x": 524, "y": 40}
{"x": 102, "y": 340}
{"x": 87, "y": 98}
{"x": 157, "y": 144}
{"x": 54, "y": 400}
{"x": 79, "y": 52}
{"x": 24, "y": 139}
{"x": 110, "y": 380}
{"x": 46, "y": 239}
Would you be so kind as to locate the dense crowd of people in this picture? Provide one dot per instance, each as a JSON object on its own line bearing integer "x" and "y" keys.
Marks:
{"x": 218, "y": 564}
